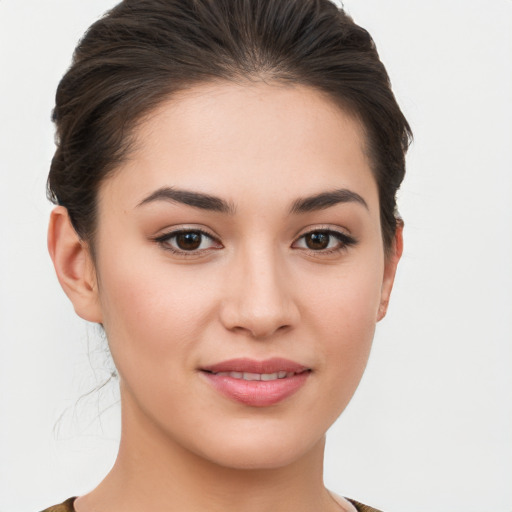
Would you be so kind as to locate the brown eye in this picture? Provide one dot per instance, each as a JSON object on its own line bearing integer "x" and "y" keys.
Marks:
{"x": 189, "y": 241}
{"x": 324, "y": 241}
{"x": 317, "y": 240}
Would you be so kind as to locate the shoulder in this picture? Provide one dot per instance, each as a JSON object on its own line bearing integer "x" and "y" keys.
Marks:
{"x": 352, "y": 505}
{"x": 67, "y": 506}
{"x": 362, "y": 508}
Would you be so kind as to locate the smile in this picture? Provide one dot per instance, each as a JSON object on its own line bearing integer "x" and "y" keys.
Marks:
{"x": 257, "y": 376}
{"x": 257, "y": 383}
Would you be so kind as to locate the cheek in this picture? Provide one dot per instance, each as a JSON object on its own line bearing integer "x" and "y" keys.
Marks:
{"x": 344, "y": 304}
{"x": 153, "y": 313}
{"x": 342, "y": 313}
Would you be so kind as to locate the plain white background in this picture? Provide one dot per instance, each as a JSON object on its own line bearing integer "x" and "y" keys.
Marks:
{"x": 430, "y": 427}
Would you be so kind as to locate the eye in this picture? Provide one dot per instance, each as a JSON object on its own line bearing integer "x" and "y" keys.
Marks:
{"x": 324, "y": 240}
{"x": 188, "y": 241}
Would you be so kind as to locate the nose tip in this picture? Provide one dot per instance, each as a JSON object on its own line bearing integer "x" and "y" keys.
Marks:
{"x": 259, "y": 304}
{"x": 260, "y": 323}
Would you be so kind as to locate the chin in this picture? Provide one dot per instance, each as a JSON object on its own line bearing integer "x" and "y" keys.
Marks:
{"x": 261, "y": 451}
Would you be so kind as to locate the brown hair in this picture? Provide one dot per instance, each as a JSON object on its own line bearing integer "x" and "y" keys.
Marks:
{"x": 143, "y": 51}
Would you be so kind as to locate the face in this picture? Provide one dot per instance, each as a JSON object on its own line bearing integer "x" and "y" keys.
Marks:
{"x": 241, "y": 271}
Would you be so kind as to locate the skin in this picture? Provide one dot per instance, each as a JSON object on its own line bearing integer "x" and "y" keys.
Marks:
{"x": 253, "y": 290}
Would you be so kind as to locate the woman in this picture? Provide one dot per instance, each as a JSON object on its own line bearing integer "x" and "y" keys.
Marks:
{"x": 225, "y": 176}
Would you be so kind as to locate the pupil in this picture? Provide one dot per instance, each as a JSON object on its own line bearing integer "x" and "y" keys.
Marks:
{"x": 188, "y": 241}
{"x": 317, "y": 241}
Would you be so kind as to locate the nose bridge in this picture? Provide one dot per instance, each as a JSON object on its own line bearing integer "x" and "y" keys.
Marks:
{"x": 260, "y": 299}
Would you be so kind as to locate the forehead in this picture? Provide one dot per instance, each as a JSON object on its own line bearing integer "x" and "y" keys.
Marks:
{"x": 231, "y": 140}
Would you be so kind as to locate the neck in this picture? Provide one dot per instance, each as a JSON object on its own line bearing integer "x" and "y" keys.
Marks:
{"x": 153, "y": 472}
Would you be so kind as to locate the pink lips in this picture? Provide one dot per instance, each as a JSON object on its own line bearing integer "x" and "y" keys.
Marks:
{"x": 257, "y": 383}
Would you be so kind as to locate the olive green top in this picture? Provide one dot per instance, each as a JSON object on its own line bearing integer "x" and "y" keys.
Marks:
{"x": 67, "y": 506}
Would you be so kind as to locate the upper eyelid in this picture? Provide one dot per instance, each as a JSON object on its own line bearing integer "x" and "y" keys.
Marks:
{"x": 163, "y": 240}
{"x": 176, "y": 230}
{"x": 323, "y": 227}
{"x": 340, "y": 235}
{"x": 346, "y": 239}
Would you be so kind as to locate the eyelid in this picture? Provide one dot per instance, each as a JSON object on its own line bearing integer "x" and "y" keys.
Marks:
{"x": 325, "y": 228}
{"x": 346, "y": 240}
{"x": 172, "y": 232}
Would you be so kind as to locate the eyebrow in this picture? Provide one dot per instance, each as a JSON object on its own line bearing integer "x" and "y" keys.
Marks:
{"x": 194, "y": 199}
{"x": 208, "y": 202}
{"x": 326, "y": 200}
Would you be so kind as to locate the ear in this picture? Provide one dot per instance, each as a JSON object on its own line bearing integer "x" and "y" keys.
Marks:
{"x": 74, "y": 266}
{"x": 390, "y": 266}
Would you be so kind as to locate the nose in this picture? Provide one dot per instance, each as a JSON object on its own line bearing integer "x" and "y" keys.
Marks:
{"x": 259, "y": 299}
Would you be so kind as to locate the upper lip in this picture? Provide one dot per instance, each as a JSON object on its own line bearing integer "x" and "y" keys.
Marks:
{"x": 273, "y": 365}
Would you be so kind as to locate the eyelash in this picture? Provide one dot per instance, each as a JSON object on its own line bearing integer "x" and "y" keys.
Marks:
{"x": 345, "y": 241}
{"x": 164, "y": 241}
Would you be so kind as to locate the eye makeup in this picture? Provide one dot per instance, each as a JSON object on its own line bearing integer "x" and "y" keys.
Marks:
{"x": 324, "y": 241}
{"x": 196, "y": 242}
{"x": 188, "y": 241}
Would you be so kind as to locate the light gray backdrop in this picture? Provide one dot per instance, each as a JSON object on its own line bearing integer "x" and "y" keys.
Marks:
{"x": 430, "y": 428}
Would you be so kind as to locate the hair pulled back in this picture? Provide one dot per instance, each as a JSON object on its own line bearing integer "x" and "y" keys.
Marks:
{"x": 143, "y": 51}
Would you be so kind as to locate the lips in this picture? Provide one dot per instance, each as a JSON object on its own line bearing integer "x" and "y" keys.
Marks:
{"x": 257, "y": 383}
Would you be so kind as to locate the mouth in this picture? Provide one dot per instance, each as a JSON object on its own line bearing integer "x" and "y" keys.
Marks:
{"x": 257, "y": 376}
{"x": 257, "y": 383}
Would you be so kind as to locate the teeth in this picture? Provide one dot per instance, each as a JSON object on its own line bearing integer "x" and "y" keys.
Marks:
{"x": 252, "y": 376}
{"x": 257, "y": 376}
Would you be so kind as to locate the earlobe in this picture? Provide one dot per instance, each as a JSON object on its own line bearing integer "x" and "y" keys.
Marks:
{"x": 73, "y": 265}
{"x": 390, "y": 267}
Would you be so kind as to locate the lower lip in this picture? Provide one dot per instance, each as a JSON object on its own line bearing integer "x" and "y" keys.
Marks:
{"x": 257, "y": 393}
